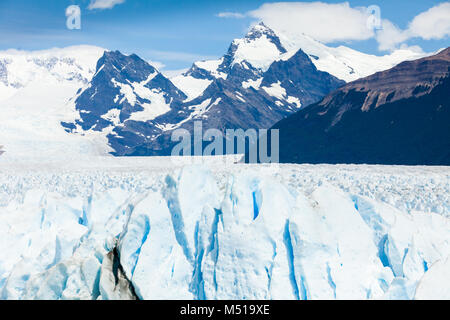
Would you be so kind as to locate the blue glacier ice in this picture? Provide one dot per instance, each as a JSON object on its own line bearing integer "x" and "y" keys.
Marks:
{"x": 126, "y": 229}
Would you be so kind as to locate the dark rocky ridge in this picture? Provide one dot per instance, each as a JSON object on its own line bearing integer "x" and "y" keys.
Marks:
{"x": 400, "y": 116}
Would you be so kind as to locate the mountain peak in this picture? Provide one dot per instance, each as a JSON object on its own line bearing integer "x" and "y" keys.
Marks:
{"x": 130, "y": 67}
{"x": 119, "y": 57}
{"x": 260, "y": 47}
{"x": 110, "y": 56}
{"x": 125, "y": 87}
{"x": 260, "y": 30}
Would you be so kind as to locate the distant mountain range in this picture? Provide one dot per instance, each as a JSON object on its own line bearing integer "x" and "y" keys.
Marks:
{"x": 86, "y": 100}
{"x": 400, "y": 116}
{"x": 138, "y": 107}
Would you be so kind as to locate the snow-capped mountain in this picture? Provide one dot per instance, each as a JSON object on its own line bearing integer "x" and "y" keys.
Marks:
{"x": 228, "y": 104}
{"x": 129, "y": 84}
{"x": 398, "y": 116}
{"x": 35, "y": 88}
{"x": 262, "y": 46}
{"x": 136, "y": 108}
{"x": 246, "y": 61}
{"x": 77, "y": 224}
{"x": 79, "y": 99}
{"x": 124, "y": 93}
{"x": 18, "y": 69}
{"x": 343, "y": 62}
{"x": 140, "y": 228}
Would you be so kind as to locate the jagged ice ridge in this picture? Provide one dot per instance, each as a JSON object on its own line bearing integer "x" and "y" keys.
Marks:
{"x": 246, "y": 232}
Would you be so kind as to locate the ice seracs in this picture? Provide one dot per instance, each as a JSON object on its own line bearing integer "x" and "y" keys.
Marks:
{"x": 240, "y": 232}
{"x": 431, "y": 286}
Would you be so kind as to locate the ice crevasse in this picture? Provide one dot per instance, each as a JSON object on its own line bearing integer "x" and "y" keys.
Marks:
{"x": 192, "y": 233}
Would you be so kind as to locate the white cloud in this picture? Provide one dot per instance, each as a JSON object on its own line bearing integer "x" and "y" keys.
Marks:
{"x": 322, "y": 21}
{"x": 433, "y": 23}
{"x": 104, "y": 4}
{"x": 235, "y": 15}
{"x": 390, "y": 36}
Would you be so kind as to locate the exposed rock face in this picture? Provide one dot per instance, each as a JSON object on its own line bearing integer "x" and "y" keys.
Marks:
{"x": 116, "y": 77}
{"x": 284, "y": 88}
{"x": 300, "y": 78}
{"x": 114, "y": 284}
{"x": 124, "y": 93}
{"x": 253, "y": 86}
{"x": 408, "y": 79}
{"x": 399, "y": 116}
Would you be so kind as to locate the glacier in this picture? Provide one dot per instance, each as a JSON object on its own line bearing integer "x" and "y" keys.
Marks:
{"x": 146, "y": 228}
{"x": 35, "y": 92}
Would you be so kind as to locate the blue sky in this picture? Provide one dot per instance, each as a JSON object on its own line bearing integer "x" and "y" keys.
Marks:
{"x": 178, "y": 32}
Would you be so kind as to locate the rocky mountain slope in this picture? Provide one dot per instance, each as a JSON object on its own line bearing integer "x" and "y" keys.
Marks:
{"x": 137, "y": 108}
{"x": 398, "y": 116}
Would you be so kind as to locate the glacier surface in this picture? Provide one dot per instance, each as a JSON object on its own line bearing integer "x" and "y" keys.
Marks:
{"x": 148, "y": 229}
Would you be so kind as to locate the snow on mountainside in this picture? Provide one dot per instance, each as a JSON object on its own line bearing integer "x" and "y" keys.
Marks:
{"x": 18, "y": 69}
{"x": 243, "y": 90}
{"x": 240, "y": 232}
{"x": 246, "y": 60}
{"x": 35, "y": 88}
{"x": 262, "y": 46}
{"x": 397, "y": 116}
{"x": 343, "y": 62}
{"x": 130, "y": 108}
{"x": 136, "y": 108}
{"x": 124, "y": 94}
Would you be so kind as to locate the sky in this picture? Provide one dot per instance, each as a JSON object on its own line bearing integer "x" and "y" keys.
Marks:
{"x": 175, "y": 33}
